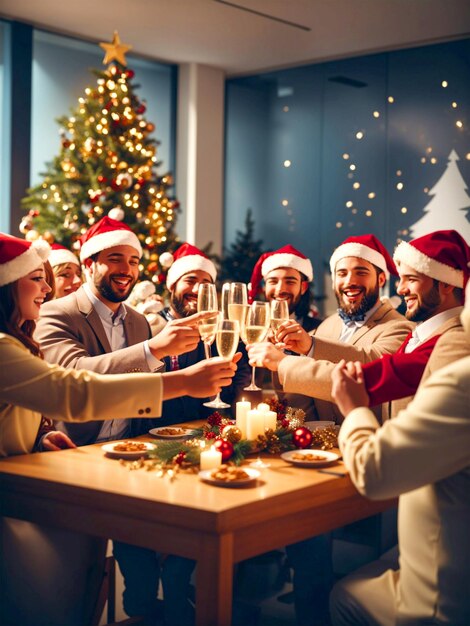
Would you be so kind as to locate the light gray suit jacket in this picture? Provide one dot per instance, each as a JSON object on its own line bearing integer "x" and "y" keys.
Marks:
{"x": 383, "y": 333}
{"x": 71, "y": 334}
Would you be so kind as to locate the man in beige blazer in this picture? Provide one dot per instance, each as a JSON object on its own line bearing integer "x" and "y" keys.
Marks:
{"x": 423, "y": 456}
{"x": 364, "y": 328}
{"x": 93, "y": 329}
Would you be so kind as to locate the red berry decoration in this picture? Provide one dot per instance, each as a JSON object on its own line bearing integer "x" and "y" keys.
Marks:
{"x": 102, "y": 179}
{"x": 224, "y": 446}
{"x": 302, "y": 437}
{"x": 180, "y": 458}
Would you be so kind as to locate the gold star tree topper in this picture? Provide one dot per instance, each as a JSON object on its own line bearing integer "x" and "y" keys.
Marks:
{"x": 115, "y": 51}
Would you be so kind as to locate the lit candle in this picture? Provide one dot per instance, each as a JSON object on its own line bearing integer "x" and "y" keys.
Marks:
{"x": 210, "y": 459}
{"x": 242, "y": 409}
{"x": 270, "y": 419}
{"x": 254, "y": 424}
{"x": 263, "y": 407}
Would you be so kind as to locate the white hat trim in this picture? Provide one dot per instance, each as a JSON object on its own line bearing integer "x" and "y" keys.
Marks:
{"x": 112, "y": 238}
{"x": 284, "y": 259}
{"x": 189, "y": 263}
{"x": 362, "y": 252}
{"x": 406, "y": 253}
{"x": 59, "y": 257}
{"x": 23, "y": 264}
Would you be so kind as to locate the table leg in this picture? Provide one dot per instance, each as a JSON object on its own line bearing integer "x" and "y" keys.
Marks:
{"x": 214, "y": 582}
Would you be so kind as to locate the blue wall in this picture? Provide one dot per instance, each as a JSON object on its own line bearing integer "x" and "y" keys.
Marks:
{"x": 311, "y": 116}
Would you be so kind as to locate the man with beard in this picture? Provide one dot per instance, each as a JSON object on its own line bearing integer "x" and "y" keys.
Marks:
{"x": 287, "y": 275}
{"x": 364, "y": 326}
{"x": 93, "y": 329}
{"x": 191, "y": 268}
{"x": 433, "y": 272}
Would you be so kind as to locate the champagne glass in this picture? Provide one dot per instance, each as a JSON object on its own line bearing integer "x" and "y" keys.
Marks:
{"x": 207, "y": 301}
{"x": 256, "y": 329}
{"x": 279, "y": 314}
{"x": 225, "y": 301}
{"x": 227, "y": 337}
{"x": 238, "y": 304}
{"x": 207, "y": 328}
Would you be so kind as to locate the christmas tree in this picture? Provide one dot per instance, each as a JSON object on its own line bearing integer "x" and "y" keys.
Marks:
{"x": 107, "y": 165}
{"x": 240, "y": 258}
{"x": 449, "y": 205}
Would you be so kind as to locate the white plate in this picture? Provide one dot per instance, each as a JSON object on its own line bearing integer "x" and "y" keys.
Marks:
{"x": 182, "y": 432}
{"x": 253, "y": 474}
{"x": 319, "y": 424}
{"x": 327, "y": 457}
{"x": 109, "y": 450}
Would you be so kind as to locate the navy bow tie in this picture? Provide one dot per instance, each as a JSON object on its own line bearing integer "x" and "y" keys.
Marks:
{"x": 358, "y": 317}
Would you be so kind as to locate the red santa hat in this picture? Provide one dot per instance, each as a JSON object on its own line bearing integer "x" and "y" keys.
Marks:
{"x": 19, "y": 257}
{"x": 287, "y": 256}
{"x": 366, "y": 247}
{"x": 186, "y": 259}
{"x": 105, "y": 234}
{"x": 60, "y": 254}
{"x": 443, "y": 255}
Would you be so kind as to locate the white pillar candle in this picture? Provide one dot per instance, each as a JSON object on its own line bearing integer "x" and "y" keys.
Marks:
{"x": 210, "y": 459}
{"x": 263, "y": 407}
{"x": 242, "y": 409}
{"x": 270, "y": 419}
{"x": 254, "y": 424}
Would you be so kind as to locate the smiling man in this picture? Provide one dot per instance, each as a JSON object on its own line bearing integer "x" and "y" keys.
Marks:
{"x": 364, "y": 326}
{"x": 433, "y": 272}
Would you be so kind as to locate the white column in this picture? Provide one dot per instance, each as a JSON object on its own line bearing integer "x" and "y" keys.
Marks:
{"x": 200, "y": 154}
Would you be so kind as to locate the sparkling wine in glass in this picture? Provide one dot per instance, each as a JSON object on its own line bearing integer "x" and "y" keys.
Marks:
{"x": 207, "y": 301}
{"x": 207, "y": 328}
{"x": 238, "y": 305}
{"x": 227, "y": 337}
{"x": 279, "y": 314}
{"x": 225, "y": 300}
{"x": 256, "y": 329}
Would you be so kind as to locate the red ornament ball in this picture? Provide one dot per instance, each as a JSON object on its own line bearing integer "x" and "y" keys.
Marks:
{"x": 224, "y": 446}
{"x": 102, "y": 179}
{"x": 302, "y": 437}
{"x": 141, "y": 109}
{"x": 130, "y": 73}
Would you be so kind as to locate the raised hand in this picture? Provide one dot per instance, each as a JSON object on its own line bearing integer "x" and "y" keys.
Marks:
{"x": 264, "y": 354}
{"x": 203, "y": 379}
{"x": 293, "y": 337}
{"x": 178, "y": 336}
{"x": 348, "y": 388}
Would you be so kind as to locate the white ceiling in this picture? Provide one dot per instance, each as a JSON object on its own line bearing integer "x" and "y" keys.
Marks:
{"x": 217, "y": 33}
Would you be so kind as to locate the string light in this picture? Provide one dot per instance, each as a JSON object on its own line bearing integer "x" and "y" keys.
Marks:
{"x": 287, "y": 163}
{"x": 376, "y": 114}
{"x": 360, "y": 134}
{"x": 444, "y": 84}
{"x": 345, "y": 156}
{"x": 391, "y": 99}
{"x": 371, "y": 195}
{"x": 400, "y": 186}
{"x": 404, "y": 209}
{"x": 459, "y": 124}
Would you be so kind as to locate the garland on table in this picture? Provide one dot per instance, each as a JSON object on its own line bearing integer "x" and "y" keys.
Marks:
{"x": 225, "y": 436}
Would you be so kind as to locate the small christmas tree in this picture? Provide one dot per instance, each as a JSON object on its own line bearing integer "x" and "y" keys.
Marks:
{"x": 106, "y": 165}
{"x": 238, "y": 261}
{"x": 449, "y": 205}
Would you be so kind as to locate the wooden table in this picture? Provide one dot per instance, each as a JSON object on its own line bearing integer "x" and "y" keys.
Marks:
{"x": 82, "y": 490}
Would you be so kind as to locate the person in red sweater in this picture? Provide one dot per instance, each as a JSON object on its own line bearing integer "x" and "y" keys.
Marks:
{"x": 433, "y": 272}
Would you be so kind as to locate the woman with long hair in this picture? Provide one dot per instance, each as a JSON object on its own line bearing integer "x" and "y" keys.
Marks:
{"x": 48, "y": 566}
